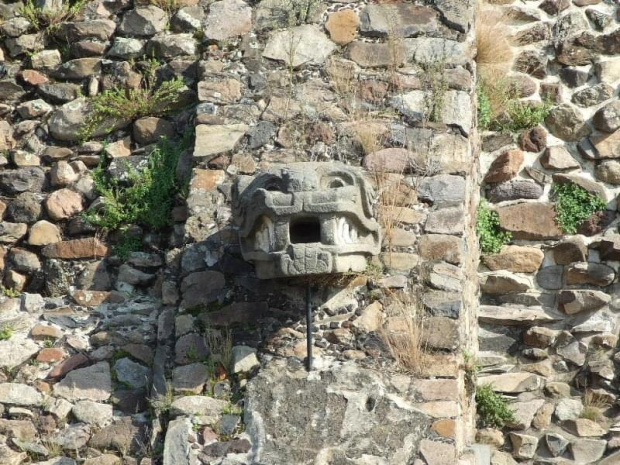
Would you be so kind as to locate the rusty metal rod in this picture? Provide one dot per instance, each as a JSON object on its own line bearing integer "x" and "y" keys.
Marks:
{"x": 309, "y": 327}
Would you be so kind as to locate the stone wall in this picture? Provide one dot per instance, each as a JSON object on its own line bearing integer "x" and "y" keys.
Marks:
{"x": 548, "y": 325}
{"x": 178, "y": 353}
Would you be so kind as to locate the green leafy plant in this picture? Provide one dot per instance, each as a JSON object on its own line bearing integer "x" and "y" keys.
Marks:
{"x": 493, "y": 410}
{"x": 127, "y": 246}
{"x": 523, "y": 115}
{"x": 485, "y": 115}
{"x": 9, "y": 292}
{"x": 574, "y": 205}
{"x": 437, "y": 85}
{"x": 146, "y": 199}
{"x": 50, "y": 20}
{"x": 490, "y": 234}
{"x": 6, "y": 332}
{"x": 131, "y": 104}
{"x": 500, "y": 109}
{"x": 170, "y": 6}
{"x": 162, "y": 402}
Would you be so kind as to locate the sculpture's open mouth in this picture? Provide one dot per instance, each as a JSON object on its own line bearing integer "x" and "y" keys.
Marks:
{"x": 307, "y": 218}
{"x": 305, "y": 230}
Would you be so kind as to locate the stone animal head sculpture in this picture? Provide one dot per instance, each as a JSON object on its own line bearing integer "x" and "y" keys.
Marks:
{"x": 306, "y": 218}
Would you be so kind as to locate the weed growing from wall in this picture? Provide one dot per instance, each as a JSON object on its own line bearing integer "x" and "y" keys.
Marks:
{"x": 6, "y": 291}
{"x": 127, "y": 245}
{"x": 406, "y": 342}
{"x": 485, "y": 111}
{"x": 490, "y": 234}
{"x": 523, "y": 116}
{"x": 148, "y": 196}
{"x": 493, "y": 48}
{"x": 51, "y": 20}
{"x": 437, "y": 85}
{"x": 493, "y": 410}
{"x": 130, "y": 104}
{"x": 574, "y": 205}
{"x": 499, "y": 108}
{"x": 6, "y": 333}
{"x": 169, "y": 6}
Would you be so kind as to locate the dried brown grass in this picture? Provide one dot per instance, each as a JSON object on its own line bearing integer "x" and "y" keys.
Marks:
{"x": 493, "y": 46}
{"x": 498, "y": 91}
{"x": 169, "y": 6}
{"x": 594, "y": 406}
{"x": 394, "y": 197}
{"x": 220, "y": 344}
{"x": 403, "y": 331}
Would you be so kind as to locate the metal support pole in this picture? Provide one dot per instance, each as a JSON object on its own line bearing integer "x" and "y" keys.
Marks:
{"x": 309, "y": 327}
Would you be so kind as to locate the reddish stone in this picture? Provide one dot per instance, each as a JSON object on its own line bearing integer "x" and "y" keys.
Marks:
{"x": 40, "y": 332}
{"x": 34, "y": 78}
{"x": 391, "y": 160}
{"x": 78, "y": 248}
{"x": 373, "y": 91}
{"x": 342, "y": 26}
{"x": 49, "y": 355}
{"x": 597, "y": 223}
{"x": 207, "y": 179}
{"x": 63, "y": 204}
{"x": 42, "y": 386}
{"x": 47, "y": 424}
{"x": 209, "y": 436}
{"x": 219, "y": 163}
{"x": 534, "y": 140}
{"x": 95, "y": 298}
{"x": 445, "y": 428}
{"x": 530, "y": 221}
{"x": 68, "y": 365}
{"x": 505, "y": 167}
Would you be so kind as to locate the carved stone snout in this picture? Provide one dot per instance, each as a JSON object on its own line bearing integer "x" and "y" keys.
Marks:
{"x": 306, "y": 218}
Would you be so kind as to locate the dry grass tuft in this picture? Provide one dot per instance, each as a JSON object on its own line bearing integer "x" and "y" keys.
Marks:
{"x": 394, "y": 197}
{"x": 162, "y": 401}
{"x": 372, "y": 137}
{"x": 494, "y": 51}
{"x": 497, "y": 90}
{"x": 220, "y": 344}
{"x": 403, "y": 331}
{"x": 170, "y": 6}
{"x": 594, "y": 406}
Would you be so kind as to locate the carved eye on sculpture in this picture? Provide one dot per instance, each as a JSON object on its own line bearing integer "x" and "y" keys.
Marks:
{"x": 273, "y": 186}
{"x": 335, "y": 181}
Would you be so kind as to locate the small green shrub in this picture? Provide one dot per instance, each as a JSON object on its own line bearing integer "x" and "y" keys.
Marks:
{"x": 148, "y": 198}
{"x": 131, "y": 104}
{"x": 523, "y": 116}
{"x": 127, "y": 245}
{"x": 490, "y": 234}
{"x": 493, "y": 410}
{"x": 574, "y": 205}
{"x": 9, "y": 292}
{"x": 437, "y": 86}
{"x": 51, "y": 20}
{"x": 303, "y": 10}
{"x": 6, "y": 333}
{"x": 500, "y": 109}
{"x": 485, "y": 114}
